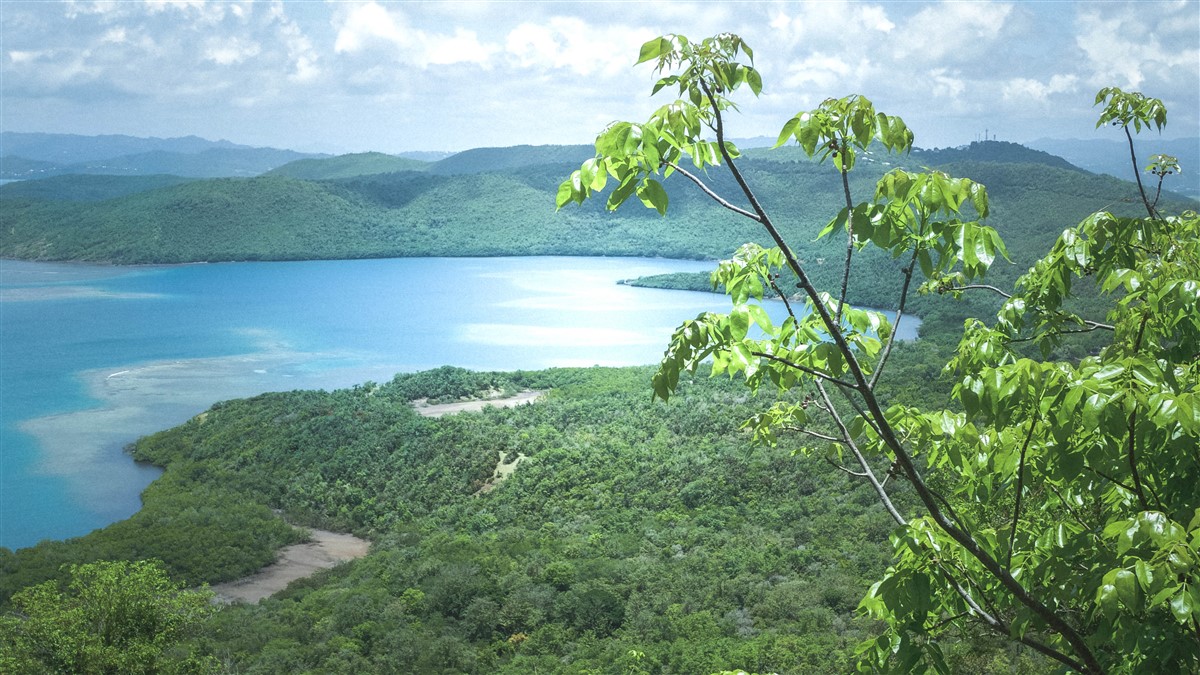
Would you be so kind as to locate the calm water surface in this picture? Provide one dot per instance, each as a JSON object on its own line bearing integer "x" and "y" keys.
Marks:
{"x": 93, "y": 357}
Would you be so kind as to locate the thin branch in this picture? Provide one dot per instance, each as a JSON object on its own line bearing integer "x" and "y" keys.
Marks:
{"x": 804, "y": 369}
{"x": 782, "y": 296}
{"x": 862, "y": 460}
{"x": 843, "y": 469}
{"x": 1158, "y": 192}
{"x": 708, "y": 191}
{"x": 1154, "y": 475}
{"x": 1138, "y": 174}
{"x": 984, "y": 287}
{"x": 1130, "y": 446}
{"x": 810, "y": 432}
{"x": 1110, "y": 479}
{"x": 1092, "y": 326}
{"x": 1053, "y": 653}
{"x": 860, "y": 411}
{"x": 1070, "y": 509}
{"x": 1012, "y": 535}
{"x": 990, "y": 619}
{"x": 887, "y": 349}
{"x": 849, "y": 232}
{"x": 947, "y": 620}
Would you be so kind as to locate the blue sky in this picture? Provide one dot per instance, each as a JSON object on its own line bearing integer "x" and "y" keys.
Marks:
{"x": 395, "y": 76}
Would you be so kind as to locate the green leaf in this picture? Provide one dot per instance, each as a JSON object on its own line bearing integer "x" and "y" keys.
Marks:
{"x": 1144, "y": 574}
{"x": 788, "y": 130}
{"x": 739, "y": 322}
{"x": 754, "y": 80}
{"x": 623, "y": 192}
{"x": 566, "y": 194}
{"x": 653, "y": 195}
{"x": 761, "y": 318}
{"x": 1127, "y": 589}
{"x": 1182, "y": 606}
{"x": 653, "y": 49}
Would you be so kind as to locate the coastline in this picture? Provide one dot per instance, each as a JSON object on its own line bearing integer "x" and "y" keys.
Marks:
{"x": 134, "y": 400}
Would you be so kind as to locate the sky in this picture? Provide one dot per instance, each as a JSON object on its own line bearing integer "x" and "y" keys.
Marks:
{"x": 339, "y": 77}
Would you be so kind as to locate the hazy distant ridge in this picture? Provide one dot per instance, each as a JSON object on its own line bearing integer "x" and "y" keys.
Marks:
{"x": 1112, "y": 157}
{"x": 37, "y": 155}
{"x": 495, "y": 201}
{"x": 64, "y": 149}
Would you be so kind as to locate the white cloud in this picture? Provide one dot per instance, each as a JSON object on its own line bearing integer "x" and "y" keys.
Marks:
{"x": 1125, "y": 47}
{"x": 230, "y": 51}
{"x": 372, "y": 26}
{"x": 946, "y": 86}
{"x": 21, "y": 58}
{"x": 75, "y": 9}
{"x": 825, "y": 24}
{"x": 953, "y": 31}
{"x": 164, "y": 5}
{"x": 366, "y": 24}
{"x": 573, "y": 44}
{"x": 825, "y": 73}
{"x": 115, "y": 35}
{"x": 426, "y": 72}
{"x": 1022, "y": 90}
{"x": 462, "y": 47}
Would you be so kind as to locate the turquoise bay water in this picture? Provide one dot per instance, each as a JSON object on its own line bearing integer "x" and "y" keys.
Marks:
{"x": 93, "y": 357}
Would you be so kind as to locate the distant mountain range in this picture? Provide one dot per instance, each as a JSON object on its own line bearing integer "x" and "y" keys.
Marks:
{"x": 37, "y": 155}
{"x": 66, "y": 149}
{"x": 1112, "y": 157}
{"x": 487, "y": 201}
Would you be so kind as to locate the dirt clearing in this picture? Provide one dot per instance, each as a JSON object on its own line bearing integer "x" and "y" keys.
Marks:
{"x": 297, "y": 561}
{"x": 439, "y": 409}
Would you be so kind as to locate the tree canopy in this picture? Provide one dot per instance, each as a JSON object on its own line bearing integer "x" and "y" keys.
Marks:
{"x": 1057, "y": 501}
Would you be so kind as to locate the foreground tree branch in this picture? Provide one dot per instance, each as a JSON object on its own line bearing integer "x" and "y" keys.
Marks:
{"x": 1129, "y": 396}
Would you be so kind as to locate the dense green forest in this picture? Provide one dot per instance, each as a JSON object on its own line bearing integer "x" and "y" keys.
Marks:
{"x": 635, "y": 537}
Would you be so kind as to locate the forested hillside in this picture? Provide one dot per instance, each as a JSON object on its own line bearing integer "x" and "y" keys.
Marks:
{"x": 346, "y": 166}
{"x": 633, "y": 534}
{"x": 492, "y": 202}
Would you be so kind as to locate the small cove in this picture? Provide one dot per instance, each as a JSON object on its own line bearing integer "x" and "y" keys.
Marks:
{"x": 92, "y": 357}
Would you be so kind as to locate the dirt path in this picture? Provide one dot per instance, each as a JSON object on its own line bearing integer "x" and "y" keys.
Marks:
{"x": 326, "y": 550}
{"x": 439, "y": 409}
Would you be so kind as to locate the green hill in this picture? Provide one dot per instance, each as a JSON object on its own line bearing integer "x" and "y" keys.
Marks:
{"x": 86, "y": 188}
{"x": 461, "y": 207}
{"x": 483, "y": 160}
{"x": 991, "y": 151}
{"x": 13, "y": 167}
{"x": 347, "y": 166}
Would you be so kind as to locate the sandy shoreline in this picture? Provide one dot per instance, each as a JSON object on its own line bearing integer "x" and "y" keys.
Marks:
{"x": 138, "y": 399}
{"x": 325, "y": 550}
